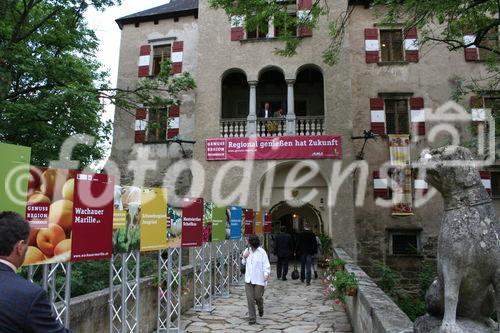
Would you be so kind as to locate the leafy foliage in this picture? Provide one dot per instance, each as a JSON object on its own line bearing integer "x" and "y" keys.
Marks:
{"x": 51, "y": 86}
{"x": 258, "y": 12}
{"x": 341, "y": 282}
{"x": 390, "y": 282}
{"x": 325, "y": 245}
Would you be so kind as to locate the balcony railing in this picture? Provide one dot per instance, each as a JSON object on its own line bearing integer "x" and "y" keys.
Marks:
{"x": 304, "y": 126}
{"x": 271, "y": 126}
{"x": 233, "y": 128}
{"x": 309, "y": 125}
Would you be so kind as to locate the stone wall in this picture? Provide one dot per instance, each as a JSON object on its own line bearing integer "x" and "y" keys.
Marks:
{"x": 371, "y": 310}
{"x": 90, "y": 312}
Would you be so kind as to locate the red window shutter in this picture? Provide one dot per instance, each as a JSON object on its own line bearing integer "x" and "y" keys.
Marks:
{"x": 486, "y": 180}
{"x": 471, "y": 54}
{"x": 174, "y": 111}
{"x": 416, "y": 103}
{"x": 237, "y": 33}
{"x": 478, "y": 111}
{"x": 177, "y": 56}
{"x": 305, "y": 31}
{"x": 476, "y": 102}
{"x": 144, "y": 60}
{"x": 377, "y": 116}
{"x": 380, "y": 187}
{"x": 173, "y": 125}
{"x": 417, "y": 114}
{"x": 303, "y": 8}
{"x": 372, "y": 45}
{"x": 304, "y": 4}
{"x": 411, "y": 45}
{"x": 420, "y": 185}
{"x": 140, "y": 125}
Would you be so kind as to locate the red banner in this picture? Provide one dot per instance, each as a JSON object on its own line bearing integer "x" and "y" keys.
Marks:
{"x": 273, "y": 148}
{"x": 268, "y": 223}
{"x": 192, "y": 223}
{"x": 249, "y": 222}
{"x": 92, "y": 217}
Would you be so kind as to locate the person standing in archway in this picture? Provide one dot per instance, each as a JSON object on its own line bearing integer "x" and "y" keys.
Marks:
{"x": 265, "y": 112}
{"x": 257, "y": 272}
{"x": 283, "y": 249}
{"x": 307, "y": 247}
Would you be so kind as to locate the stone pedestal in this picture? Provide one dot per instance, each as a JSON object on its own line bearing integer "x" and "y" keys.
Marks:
{"x": 430, "y": 324}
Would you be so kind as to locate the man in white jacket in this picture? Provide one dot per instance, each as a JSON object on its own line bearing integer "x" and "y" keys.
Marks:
{"x": 257, "y": 272}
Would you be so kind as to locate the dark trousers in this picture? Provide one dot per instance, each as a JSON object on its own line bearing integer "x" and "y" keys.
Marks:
{"x": 282, "y": 267}
{"x": 305, "y": 267}
{"x": 255, "y": 295}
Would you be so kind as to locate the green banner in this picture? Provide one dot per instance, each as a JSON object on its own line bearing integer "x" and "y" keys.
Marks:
{"x": 219, "y": 221}
{"x": 14, "y": 172}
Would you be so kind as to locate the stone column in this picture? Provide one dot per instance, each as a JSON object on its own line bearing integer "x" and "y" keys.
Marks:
{"x": 290, "y": 114}
{"x": 252, "y": 109}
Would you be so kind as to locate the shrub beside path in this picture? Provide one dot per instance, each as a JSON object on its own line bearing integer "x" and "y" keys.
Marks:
{"x": 289, "y": 307}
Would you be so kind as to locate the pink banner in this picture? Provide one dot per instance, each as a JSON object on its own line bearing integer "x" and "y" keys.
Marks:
{"x": 273, "y": 148}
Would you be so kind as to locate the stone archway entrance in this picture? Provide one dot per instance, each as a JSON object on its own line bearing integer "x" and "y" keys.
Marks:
{"x": 294, "y": 218}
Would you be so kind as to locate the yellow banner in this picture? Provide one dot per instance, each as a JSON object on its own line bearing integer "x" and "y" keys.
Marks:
{"x": 153, "y": 218}
{"x": 259, "y": 225}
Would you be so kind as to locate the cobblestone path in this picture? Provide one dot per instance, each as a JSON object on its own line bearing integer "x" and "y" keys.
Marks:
{"x": 289, "y": 306}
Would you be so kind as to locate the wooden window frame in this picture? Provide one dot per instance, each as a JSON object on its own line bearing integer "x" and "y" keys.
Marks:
{"x": 155, "y": 70}
{"x": 157, "y": 134}
{"x": 387, "y": 101}
{"x": 391, "y": 48}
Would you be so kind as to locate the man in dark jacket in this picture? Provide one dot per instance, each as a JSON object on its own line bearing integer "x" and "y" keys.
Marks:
{"x": 24, "y": 306}
{"x": 283, "y": 249}
{"x": 307, "y": 247}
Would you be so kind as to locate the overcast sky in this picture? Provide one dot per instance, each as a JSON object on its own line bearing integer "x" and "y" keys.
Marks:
{"x": 103, "y": 23}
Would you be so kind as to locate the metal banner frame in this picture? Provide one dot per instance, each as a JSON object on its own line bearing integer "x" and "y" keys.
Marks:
{"x": 124, "y": 279}
{"x": 203, "y": 278}
{"x": 235, "y": 266}
{"x": 169, "y": 298}
{"x": 226, "y": 264}
{"x": 221, "y": 286}
{"x": 58, "y": 294}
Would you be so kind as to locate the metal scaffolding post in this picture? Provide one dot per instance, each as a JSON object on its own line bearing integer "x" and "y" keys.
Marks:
{"x": 60, "y": 294}
{"x": 124, "y": 292}
{"x": 32, "y": 271}
{"x": 225, "y": 265}
{"x": 203, "y": 278}
{"x": 233, "y": 279}
{"x": 219, "y": 268}
{"x": 169, "y": 300}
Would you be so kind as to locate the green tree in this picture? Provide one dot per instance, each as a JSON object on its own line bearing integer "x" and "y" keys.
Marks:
{"x": 51, "y": 85}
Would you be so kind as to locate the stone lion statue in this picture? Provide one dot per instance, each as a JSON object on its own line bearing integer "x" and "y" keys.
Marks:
{"x": 462, "y": 298}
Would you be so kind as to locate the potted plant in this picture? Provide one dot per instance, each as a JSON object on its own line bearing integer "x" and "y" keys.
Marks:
{"x": 337, "y": 264}
{"x": 325, "y": 250}
{"x": 344, "y": 284}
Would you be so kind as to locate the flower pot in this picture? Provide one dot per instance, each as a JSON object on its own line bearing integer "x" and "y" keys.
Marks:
{"x": 352, "y": 291}
{"x": 339, "y": 268}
